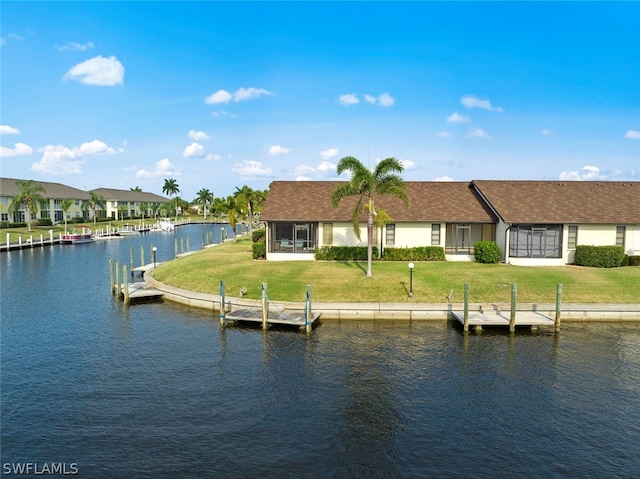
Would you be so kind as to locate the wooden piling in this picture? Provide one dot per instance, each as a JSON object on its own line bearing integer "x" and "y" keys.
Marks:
{"x": 118, "y": 281}
{"x": 31, "y": 240}
{"x": 131, "y": 260}
{"x": 141, "y": 255}
{"x": 558, "y": 306}
{"x": 111, "y": 275}
{"x": 512, "y": 317}
{"x": 125, "y": 278}
{"x": 308, "y": 323}
{"x": 222, "y": 305}
{"x": 465, "y": 327}
{"x": 265, "y": 307}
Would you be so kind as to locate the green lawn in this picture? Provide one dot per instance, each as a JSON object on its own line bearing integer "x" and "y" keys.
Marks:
{"x": 432, "y": 281}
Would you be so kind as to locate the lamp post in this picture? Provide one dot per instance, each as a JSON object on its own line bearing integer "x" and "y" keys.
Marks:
{"x": 153, "y": 250}
{"x": 411, "y": 265}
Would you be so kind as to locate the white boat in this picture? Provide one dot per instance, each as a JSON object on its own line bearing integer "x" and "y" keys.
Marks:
{"x": 75, "y": 237}
{"x": 166, "y": 225}
{"x": 127, "y": 230}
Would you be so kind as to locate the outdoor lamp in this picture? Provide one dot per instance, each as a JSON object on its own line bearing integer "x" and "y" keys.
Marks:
{"x": 411, "y": 265}
{"x": 153, "y": 250}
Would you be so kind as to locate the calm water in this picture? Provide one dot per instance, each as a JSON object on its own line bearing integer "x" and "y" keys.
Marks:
{"x": 159, "y": 390}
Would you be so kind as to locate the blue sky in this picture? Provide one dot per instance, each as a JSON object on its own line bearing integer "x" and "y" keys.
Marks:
{"x": 218, "y": 95}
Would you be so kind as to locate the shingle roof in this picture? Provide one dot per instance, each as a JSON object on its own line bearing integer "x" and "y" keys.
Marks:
{"x": 110, "y": 194}
{"x": 429, "y": 201}
{"x": 595, "y": 202}
{"x": 8, "y": 187}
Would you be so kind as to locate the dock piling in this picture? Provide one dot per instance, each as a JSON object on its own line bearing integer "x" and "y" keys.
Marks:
{"x": 307, "y": 310}
{"x": 118, "y": 281}
{"x": 131, "y": 260}
{"x": 222, "y": 305}
{"x": 512, "y": 317}
{"x": 466, "y": 308}
{"x": 125, "y": 278}
{"x": 558, "y": 307}
{"x": 141, "y": 255}
{"x": 265, "y": 307}
{"x": 111, "y": 275}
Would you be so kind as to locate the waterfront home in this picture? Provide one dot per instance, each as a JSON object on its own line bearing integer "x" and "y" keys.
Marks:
{"x": 54, "y": 193}
{"x": 127, "y": 203}
{"x": 533, "y": 222}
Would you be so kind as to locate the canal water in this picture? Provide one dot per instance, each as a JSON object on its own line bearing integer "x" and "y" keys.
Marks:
{"x": 160, "y": 390}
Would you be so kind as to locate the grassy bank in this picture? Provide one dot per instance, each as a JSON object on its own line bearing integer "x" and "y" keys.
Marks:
{"x": 432, "y": 281}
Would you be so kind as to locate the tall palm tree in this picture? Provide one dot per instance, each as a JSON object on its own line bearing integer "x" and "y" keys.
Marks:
{"x": 144, "y": 206}
{"x": 171, "y": 188}
{"x": 366, "y": 185}
{"x": 93, "y": 202}
{"x": 234, "y": 212}
{"x": 249, "y": 201}
{"x": 205, "y": 198}
{"x": 137, "y": 188}
{"x": 65, "y": 205}
{"x": 30, "y": 196}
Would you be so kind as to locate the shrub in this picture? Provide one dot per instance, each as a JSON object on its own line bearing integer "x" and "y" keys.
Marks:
{"x": 599, "y": 256}
{"x": 258, "y": 235}
{"x": 259, "y": 250}
{"x": 344, "y": 253}
{"x": 44, "y": 222}
{"x": 487, "y": 252}
{"x": 634, "y": 260}
{"x": 14, "y": 225}
{"x": 418, "y": 253}
{"x": 77, "y": 219}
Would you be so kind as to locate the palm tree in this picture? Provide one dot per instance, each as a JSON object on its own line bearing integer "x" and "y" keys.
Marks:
{"x": 93, "y": 202}
{"x": 64, "y": 206}
{"x": 249, "y": 201}
{"x": 366, "y": 185}
{"x": 137, "y": 188}
{"x": 234, "y": 211}
{"x": 205, "y": 198}
{"x": 171, "y": 188}
{"x": 30, "y": 196}
{"x": 144, "y": 206}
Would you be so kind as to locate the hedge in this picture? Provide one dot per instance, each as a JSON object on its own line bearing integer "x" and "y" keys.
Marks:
{"x": 417, "y": 253}
{"x": 6, "y": 224}
{"x": 599, "y": 256}
{"x": 259, "y": 250}
{"x": 344, "y": 253}
{"x": 634, "y": 260}
{"x": 258, "y": 235}
{"x": 487, "y": 252}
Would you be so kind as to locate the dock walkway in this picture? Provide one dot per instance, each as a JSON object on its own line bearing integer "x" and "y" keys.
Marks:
{"x": 274, "y": 317}
{"x": 480, "y": 319}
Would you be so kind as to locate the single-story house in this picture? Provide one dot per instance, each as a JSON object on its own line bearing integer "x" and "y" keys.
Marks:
{"x": 127, "y": 203}
{"x": 533, "y": 222}
{"x": 54, "y": 193}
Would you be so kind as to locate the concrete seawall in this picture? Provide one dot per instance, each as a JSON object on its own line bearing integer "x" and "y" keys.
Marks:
{"x": 402, "y": 311}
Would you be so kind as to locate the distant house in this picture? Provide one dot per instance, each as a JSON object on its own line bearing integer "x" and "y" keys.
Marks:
{"x": 55, "y": 193}
{"x": 127, "y": 203}
{"x": 533, "y": 222}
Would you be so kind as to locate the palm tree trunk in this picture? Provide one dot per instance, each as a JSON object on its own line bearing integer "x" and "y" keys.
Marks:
{"x": 369, "y": 242}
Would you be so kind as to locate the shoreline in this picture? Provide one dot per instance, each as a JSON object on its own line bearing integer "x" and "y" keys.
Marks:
{"x": 572, "y": 312}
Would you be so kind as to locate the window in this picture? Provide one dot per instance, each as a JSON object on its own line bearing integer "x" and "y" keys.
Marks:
{"x": 620, "y": 234}
{"x": 435, "y": 234}
{"x": 327, "y": 233}
{"x": 535, "y": 241}
{"x": 292, "y": 237}
{"x": 573, "y": 237}
{"x": 391, "y": 234}
{"x": 4, "y": 216}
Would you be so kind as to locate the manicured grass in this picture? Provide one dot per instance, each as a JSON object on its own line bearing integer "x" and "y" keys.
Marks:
{"x": 432, "y": 281}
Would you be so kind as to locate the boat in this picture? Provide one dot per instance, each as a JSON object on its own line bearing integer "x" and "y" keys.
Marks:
{"x": 74, "y": 237}
{"x": 166, "y": 225}
{"x": 127, "y": 230}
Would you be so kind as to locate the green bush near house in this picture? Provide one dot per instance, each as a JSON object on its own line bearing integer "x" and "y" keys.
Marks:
{"x": 259, "y": 250}
{"x": 418, "y": 253}
{"x": 634, "y": 260}
{"x": 599, "y": 256}
{"x": 44, "y": 222}
{"x": 6, "y": 224}
{"x": 487, "y": 252}
{"x": 344, "y": 253}
{"x": 258, "y": 235}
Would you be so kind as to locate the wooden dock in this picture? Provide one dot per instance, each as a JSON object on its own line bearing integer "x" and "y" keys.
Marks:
{"x": 139, "y": 290}
{"x": 274, "y": 316}
{"x": 480, "y": 319}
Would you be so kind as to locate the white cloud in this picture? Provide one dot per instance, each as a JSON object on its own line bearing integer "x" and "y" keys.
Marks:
{"x": 384, "y": 100}
{"x": 444, "y": 134}
{"x": 62, "y": 160}
{"x": 223, "y": 96}
{"x": 327, "y": 166}
{"x": 348, "y": 99}
{"x": 221, "y": 113}
{"x": 251, "y": 169}
{"x": 19, "y": 149}
{"x": 15, "y": 36}
{"x": 8, "y": 130}
{"x": 74, "y": 46}
{"x": 277, "y": 150}
{"x": 212, "y": 157}
{"x": 303, "y": 178}
{"x": 546, "y": 132}
{"x": 98, "y": 71}
{"x": 198, "y": 135}
{"x": 304, "y": 171}
{"x": 408, "y": 164}
{"x": 329, "y": 153}
{"x": 194, "y": 149}
{"x": 470, "y": 101}
{"x": 632, "y": 135}
{"x": 587, "y": 173}
{"x": 478, "y": 133}
{"x": 162, "y": 168}
{"x": 443, "y": 178}
{"x": 456, "y": 117}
